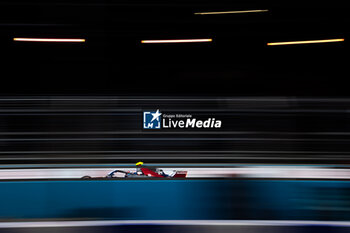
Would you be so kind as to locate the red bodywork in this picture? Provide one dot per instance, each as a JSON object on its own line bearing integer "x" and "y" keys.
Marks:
{"x": 148, "y": 172}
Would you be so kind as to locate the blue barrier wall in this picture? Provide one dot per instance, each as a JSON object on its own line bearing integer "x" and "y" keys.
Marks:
{"x": 175, "y": 199}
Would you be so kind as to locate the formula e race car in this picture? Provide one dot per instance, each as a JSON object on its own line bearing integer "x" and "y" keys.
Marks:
{"x": 143, "y": 172}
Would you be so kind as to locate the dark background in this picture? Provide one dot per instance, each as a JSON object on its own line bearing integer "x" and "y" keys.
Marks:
{"x": 114, "y": 62}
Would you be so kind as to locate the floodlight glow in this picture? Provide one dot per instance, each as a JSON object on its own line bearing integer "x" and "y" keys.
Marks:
{"x": 305, "y": 42}
{"x": 48, "y": 40}
{"x": 229, "y": 12}
{"x": 175, "y": 41}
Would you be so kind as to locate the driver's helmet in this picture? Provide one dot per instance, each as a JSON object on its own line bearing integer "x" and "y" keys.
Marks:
{"x": 139, "y": 164}
{"x": 138, "y": 168}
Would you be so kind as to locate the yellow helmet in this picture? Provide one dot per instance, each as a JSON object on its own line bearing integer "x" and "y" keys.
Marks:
{"x": 139, "y": 163}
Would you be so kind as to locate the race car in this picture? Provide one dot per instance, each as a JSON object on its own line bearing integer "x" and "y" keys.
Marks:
{"x": 143, "y": 172}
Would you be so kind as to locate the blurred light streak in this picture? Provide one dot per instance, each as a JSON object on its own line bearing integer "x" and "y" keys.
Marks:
{"x": 229, "y": 12}
{"x": 179, "y": 151}
{"x": 48, "y": 40}
{"x": 172, "y": 139}
{"x": 245, "y": 99}
{"x": 256, "y": 172}
{"x": 305, "y": 42}
{"x": 176, "y": 41}
{"x": 90, "y": 223}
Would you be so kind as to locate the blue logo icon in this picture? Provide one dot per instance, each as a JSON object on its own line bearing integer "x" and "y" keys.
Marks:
{"x": 151, "y": 120}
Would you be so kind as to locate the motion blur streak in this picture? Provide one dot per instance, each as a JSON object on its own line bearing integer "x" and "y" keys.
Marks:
{"x": 241, "y": 172}
{"x": 108, "y": 130}
{"x": 175, "y": 41}
{"x": 48, "y": 40}
{"x": 229, "y": 12}
{"x": 189, "y": 226}
{"x": 304, "y": 42}
{"x": 174, "y": 199}
{"x": 38, "y": 224}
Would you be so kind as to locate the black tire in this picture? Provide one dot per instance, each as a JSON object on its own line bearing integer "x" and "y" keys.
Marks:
{"x": 86, "y": 177}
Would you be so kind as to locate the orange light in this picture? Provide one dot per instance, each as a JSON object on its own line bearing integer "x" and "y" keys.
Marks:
{"x": 305, "y": 42}
{"x": 48, "y": 40}
{"x": 176, "y": 41}
{"x": 229, "y": 12}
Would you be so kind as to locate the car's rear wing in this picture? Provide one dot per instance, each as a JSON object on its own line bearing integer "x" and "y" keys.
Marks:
{"x": 180, "y": 174}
